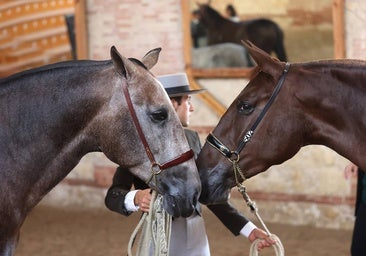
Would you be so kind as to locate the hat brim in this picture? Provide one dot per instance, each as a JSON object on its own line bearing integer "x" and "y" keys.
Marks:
{"x": 182, "y": 93}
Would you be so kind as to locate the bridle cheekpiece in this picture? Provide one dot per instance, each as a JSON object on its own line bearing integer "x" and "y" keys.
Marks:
{"x": 156, "y": 168}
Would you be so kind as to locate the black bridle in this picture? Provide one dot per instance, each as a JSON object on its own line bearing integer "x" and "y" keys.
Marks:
{"x": 233, "y": 156}
{"x": 156, "y": 168}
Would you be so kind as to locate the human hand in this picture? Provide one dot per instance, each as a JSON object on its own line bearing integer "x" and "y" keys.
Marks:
{"x": 265, "y": 240}
{"x": 350, "y": 171}
{"x": 142, "y": 199}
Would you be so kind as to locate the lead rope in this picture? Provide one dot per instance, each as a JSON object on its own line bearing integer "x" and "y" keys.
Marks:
{"x": 278, "y": 247}
{"x": 156, "y": 229}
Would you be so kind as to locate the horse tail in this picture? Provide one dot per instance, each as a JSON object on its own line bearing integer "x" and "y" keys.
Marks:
{"x": 279, "y": 45}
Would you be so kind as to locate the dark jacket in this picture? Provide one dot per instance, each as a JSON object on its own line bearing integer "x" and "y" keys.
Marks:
{"x": 123, "y": 181}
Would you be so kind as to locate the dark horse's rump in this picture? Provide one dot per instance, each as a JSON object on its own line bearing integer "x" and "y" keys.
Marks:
{"x": 268, "y": 35}
{"x": 264, "y": 33}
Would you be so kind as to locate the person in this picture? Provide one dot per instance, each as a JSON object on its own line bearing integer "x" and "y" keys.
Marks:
{"x": 198, "y": 30}
{"x": 188, "y": 235}
{"x": 358, "y": 244}
{"x": 231, "y": 13}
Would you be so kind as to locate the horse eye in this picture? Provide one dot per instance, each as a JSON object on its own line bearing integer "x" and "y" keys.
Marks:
{"x": 159, "y": 115}
{"x": 245, "y": 107}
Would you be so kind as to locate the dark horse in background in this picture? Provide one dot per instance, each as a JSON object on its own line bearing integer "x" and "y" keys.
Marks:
{"x": 264, "y": 33}
{"x": 50, "y": 117}
{"x": 320, "y": 103}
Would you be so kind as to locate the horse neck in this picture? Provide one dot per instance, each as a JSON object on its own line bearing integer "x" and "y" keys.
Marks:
{"x": 335, "y": 106}
{"x": 220, "y": 29}
{"x": 214, "y": 20}
{"x": 47, "y": 118}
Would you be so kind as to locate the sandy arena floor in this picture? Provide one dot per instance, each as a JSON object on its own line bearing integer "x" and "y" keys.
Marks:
{"x": 50, "y": 231}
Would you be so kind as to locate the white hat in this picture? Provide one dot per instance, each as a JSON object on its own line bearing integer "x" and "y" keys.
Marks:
{"x": 177, "y": 85}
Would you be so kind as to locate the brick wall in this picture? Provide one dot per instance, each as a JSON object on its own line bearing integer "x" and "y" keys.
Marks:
{"x": 135, "y": 27}
{"x": 355, "y": 29}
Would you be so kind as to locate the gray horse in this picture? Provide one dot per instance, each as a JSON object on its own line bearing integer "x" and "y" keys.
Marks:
{"x": 220, "y": 56}
{"x": 52, "y": 116}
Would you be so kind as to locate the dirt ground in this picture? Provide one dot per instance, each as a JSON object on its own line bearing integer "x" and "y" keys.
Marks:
{"x": 59, "y": 232}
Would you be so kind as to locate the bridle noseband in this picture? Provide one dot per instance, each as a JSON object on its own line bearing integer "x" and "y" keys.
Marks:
{"x": 233, "y": 156}
{"x": 156, "y": 168}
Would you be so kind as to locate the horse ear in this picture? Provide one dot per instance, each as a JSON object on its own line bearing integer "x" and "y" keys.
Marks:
{"x": 119, "y": 62}
{"x": 267, "y": 63}
{"x": 151, "y": 58}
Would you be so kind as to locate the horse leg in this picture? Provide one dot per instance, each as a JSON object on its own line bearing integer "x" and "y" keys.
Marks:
{"x": 8, "y": 245}
{"x": 10, "y": 223}
{"x": 279, "y": 46}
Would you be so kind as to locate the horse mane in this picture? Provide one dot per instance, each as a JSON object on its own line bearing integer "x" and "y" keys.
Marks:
{"x": 336, "y": 64}
{"x": 138, "y": 62}
{"x": 58, "y": 65}
{"x": 208, "y": 11}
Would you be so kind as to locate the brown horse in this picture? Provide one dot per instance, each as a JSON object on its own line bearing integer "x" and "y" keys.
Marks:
{"x": 320, "y": 102}
{"x": 52, "y": 116}
{"x": 264, "y": 33}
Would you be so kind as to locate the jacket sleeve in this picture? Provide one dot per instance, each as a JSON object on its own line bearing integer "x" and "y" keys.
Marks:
{"x": 122, "y": 183}
{"x": 229, "y": 216}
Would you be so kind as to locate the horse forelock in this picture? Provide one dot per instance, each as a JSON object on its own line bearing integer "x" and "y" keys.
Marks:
{"x": 138, "y": 62}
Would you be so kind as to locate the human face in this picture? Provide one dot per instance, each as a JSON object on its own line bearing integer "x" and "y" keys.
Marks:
{"x": 183, "y": 109}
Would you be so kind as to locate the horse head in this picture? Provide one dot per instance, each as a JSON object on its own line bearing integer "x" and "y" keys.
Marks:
{"x": 210, "y": 17}
{"x": 157, "y": 152}
{"x": 246, "y": 135}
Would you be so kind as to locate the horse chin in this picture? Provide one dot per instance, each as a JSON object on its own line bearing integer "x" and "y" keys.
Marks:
{"x": 218, "y": 195}
{"x": 216, "y": 184}
{"x": 177, "y": 207}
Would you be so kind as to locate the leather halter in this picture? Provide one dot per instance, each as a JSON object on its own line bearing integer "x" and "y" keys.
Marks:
{"x": 156, "y": 168}
{"x": 233, "y": 156}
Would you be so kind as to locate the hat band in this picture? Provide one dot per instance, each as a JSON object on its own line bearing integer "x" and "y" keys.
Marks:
{"x": 177, "y": 89}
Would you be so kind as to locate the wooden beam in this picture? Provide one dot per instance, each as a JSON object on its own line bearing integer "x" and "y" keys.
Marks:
{"x": 338, "y": 29}
{"x": 82, "y": 50}
{"x": 206, "y": 97}
{"x": 222, "y": 73}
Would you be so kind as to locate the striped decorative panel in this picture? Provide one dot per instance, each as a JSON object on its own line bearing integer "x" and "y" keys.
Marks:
{"x": 33, "y": 33}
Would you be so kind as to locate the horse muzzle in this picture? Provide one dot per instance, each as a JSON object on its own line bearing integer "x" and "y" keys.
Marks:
{"x": 178, "y": 206}
{"x": 215, "y": 187}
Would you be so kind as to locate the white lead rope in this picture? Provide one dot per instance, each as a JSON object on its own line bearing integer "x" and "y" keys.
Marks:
{"x": 277, "y": 246}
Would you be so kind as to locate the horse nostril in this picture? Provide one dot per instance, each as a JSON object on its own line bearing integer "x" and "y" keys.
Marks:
{"x": 196, "y": 205}
{"x": 195, "y": 201}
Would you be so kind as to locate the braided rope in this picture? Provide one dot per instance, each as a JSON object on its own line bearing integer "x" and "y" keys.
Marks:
{"x": 161, "y": 227}
{"x": 134, "y": 234}
{"x": 156, "y": 229}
